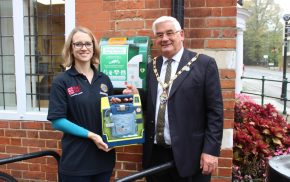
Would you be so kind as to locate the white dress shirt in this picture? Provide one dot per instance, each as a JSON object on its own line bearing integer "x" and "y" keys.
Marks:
{"x": 174, "y": 66}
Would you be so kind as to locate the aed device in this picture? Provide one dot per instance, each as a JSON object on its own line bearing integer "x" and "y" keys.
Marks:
{"x": 124, "y": 60}
{"x": 122, "y": 123}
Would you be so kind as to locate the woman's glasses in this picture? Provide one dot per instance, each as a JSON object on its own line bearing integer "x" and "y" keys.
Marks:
{"x": 79, "y": 45}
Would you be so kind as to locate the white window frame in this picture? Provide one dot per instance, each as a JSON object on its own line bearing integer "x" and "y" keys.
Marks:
{"x": 21, "y": 112}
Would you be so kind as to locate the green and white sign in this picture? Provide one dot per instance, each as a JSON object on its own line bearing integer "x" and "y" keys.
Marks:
{"x": 114, "y": 60}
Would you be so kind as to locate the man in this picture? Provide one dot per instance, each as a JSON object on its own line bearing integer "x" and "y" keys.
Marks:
{"x": 193, "y": 105}
{"x": 184, "y": 92}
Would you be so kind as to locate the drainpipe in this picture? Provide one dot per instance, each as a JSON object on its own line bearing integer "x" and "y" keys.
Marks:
{"x": 177, "y": 11}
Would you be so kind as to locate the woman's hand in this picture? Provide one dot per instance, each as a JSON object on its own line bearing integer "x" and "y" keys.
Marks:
{"x": 97, "y": 139}
{"x": 130, "y": 89}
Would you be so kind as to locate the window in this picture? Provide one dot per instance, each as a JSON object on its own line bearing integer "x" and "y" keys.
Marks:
{"x": 7, "y": 60}
{"x": 31, "y": 56}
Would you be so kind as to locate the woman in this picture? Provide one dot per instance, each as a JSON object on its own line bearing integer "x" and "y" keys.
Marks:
{"x": 74, "y": 108}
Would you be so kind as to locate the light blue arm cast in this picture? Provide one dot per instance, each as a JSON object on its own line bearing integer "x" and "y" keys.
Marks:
{"x": 66, "y": 126}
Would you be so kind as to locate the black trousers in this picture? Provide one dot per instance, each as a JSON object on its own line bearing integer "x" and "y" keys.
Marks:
{"x": 162, "y": 155}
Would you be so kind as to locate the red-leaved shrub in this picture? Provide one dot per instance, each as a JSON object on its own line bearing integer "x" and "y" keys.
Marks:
{"x": 260, "y": 133}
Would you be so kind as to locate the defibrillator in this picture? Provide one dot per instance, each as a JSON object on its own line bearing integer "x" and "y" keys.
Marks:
{"x": 122, "y": 123}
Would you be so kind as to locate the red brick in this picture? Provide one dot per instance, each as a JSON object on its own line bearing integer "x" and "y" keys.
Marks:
{"x": 154, "y": 13}
{"x": 34, "y": 175}
{"x": 133, "y": 149}
{"x": 197, "y": 12}
{"x": 50, "y": 135}
{"x": 34, "y": 167}
{"x": 227, "y": 153}
{"x": 197, "y": 43}
{"x": 197, "y": 23}
{"x": 229, "y": 104}
{"x": 16, "y": 141}
{"x": 16, "y": 149}
{"x": 130, "y": 166}
{"x": 109, "y": 5}
{"x": 225, "y": 162}
{"x": 221, "y": 179}
{"x": 229, "y": 114}
{"x": 19, "y": 166}
{"x": 228, "y": 123}
{"x": 120, "y": 174}
{"x": 32, "y": 125}
{"x": 199, "y": 33}
{"x": 33, "y": 143}
{"x": 15, "y": 133}
{"x": 48, "y": 168}
{"x": 5, "y": 141}
{"x": 150, "y": 4}
{"x": 228, "y": 84}
{"x": 228, "y": 94}
{"x": 227, "y": 172}
{"x": 197, "y": 3}
{"x": 129, "y": 157}
{"x": 1, "y": 132}
{"x": 221, "y": 22}
{"x": 220, "y": 3}
{"x": 121, "y": 5}
{"x": 14, "y": 124}
{"x": 165, "y": 3}
{"x": 221, "y": 43}
{"x": 52, "y": 176}
{"x": 33, "y": 134}
{"x": 4, "y": 124}
{"x": 229, "y": 11}
{"x": 216, "y": 12}
{"x": 227, "y": 73}
{"x": 16, "y": 174}
{"x": 124, "y": 25}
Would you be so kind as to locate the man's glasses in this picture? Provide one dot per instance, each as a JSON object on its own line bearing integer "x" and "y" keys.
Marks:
{"x": 169, "y": 34}
{"x": 79, "y": 45}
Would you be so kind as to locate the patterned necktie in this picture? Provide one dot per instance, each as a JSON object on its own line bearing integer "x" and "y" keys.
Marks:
{"x": 162, "y": 107}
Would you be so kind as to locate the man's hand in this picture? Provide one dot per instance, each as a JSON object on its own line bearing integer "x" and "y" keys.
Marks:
{"x": 208, "y": 163}
{"x": 97, "y": 139}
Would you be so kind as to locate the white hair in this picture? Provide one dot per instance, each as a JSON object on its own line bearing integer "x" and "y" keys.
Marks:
{"x": 164, "y": 19}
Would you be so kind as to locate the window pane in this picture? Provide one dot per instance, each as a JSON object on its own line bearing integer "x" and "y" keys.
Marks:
{"x": 6, "y": 8}
{"x": 7, "y": 45}
{"x": 8, "y": 64}
{"x": 44, "y": 38}
{"x": 6, "y": 25}
{"x": 7, "y": 61}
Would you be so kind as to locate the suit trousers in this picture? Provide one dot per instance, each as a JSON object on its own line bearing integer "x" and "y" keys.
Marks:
{"x": 163, "y": 154}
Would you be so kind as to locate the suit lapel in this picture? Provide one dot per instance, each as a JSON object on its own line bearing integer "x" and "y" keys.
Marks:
{"x": 154, "y": 82}
{"x": 184, "y": 60}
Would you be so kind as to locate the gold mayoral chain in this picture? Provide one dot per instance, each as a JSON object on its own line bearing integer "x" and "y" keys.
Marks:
{"x": 164, "y": 95}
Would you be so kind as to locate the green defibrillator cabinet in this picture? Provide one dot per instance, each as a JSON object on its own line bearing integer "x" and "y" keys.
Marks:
{"x": 124, "y": 60}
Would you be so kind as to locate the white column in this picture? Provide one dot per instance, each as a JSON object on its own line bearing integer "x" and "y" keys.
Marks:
{"x": 239, "y": 60}
{"x": 242, "y": 16}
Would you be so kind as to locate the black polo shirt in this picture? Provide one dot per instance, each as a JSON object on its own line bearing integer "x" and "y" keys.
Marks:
{"x": 74, "y": 98}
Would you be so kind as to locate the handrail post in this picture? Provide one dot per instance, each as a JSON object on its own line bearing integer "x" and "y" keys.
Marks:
{"x": 285, "y": 98}
{"x": 262, "y": 95}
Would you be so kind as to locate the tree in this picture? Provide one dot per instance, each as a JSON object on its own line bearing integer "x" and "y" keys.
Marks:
{"x": 264, "y": 33}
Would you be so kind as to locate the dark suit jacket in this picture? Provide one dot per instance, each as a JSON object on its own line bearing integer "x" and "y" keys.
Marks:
{"x": 195, "y": 113}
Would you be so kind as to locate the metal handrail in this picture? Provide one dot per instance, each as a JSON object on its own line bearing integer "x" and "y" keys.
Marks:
{"x": 30, "y": 156}
{"x": 147, "y": 172}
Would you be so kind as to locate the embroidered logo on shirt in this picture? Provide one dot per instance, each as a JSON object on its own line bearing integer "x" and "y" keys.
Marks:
{"x": 104, "y": 88}
{"x": 74, "y": 90}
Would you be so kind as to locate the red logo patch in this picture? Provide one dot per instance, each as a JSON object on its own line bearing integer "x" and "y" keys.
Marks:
{"x": 74, "y": 90}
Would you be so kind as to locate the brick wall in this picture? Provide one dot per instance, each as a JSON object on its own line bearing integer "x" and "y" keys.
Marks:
{"x": 208, "y": 25}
